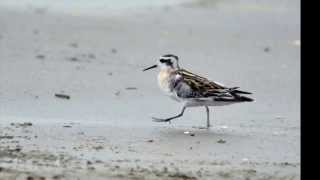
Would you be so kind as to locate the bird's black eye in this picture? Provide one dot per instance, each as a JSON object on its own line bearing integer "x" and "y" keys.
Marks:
{"x": 164, "y": 60}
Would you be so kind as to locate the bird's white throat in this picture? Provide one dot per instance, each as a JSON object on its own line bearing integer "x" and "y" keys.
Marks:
{"x": 164, "y": 77}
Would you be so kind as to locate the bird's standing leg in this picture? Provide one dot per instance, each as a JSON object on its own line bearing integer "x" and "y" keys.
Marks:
{"x": 208, "y": 117}
{"x": 169, "y": 119}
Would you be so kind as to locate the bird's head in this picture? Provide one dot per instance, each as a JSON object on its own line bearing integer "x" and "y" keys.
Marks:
{"x": 168, "y": 61}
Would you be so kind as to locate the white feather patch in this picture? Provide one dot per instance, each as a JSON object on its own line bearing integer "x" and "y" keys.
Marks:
{"x": 219, "y": 83}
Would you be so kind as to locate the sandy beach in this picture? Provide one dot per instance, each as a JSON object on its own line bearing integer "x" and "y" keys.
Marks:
{"x": 103, "y": 128}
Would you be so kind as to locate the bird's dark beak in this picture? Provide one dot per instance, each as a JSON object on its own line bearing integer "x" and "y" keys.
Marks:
{"x": 154, "y": 66}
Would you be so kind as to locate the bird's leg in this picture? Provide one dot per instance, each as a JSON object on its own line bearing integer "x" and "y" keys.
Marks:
{"x": 208, "y": 117}
{"x": 169, "y": 119}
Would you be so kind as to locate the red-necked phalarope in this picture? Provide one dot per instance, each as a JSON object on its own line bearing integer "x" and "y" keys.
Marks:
{"x": 193, "y": 90}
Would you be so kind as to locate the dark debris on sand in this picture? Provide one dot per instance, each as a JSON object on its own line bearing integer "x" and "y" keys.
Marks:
{"x": 63, "y": 96}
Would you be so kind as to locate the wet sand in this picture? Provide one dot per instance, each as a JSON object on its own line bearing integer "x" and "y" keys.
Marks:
{"x": 104, "y": 129}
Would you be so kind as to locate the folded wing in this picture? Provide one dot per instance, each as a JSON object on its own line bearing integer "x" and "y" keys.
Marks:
{"x": 189, "y": 85}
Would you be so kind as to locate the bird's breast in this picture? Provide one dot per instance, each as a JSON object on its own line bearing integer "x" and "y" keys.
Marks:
{"x": 164, "y": 81}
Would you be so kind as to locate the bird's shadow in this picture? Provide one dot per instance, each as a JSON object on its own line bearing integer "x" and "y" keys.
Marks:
{"x": 182, "y": 132}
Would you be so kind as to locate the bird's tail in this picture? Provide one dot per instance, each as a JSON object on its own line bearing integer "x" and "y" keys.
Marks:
{"x": 235, "y": 90}
{"x": 242, "y": 92}
{"x": 238, "y": 97}
{"x": 244, "y": 98}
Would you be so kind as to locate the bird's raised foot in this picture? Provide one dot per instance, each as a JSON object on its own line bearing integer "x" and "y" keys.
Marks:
{"x": 161, "y": 120}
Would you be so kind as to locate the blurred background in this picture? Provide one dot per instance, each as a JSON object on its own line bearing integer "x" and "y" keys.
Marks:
{"x": 94, "y": 7}
{"x": 93, "y": 50}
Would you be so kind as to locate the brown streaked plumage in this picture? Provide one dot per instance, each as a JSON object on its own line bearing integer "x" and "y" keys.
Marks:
{"x": 198, "y": 83}
{"x": 206, "y": 88}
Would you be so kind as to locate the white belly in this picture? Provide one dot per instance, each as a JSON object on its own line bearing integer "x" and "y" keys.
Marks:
{"x": 175, "y": 97}
{"x": 208, "y": 102}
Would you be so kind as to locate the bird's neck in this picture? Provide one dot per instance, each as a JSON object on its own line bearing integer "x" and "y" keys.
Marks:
{"x": 164, "y": 78}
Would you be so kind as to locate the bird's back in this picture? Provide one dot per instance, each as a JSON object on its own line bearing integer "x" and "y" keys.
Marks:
{"x": 190, "y": 85}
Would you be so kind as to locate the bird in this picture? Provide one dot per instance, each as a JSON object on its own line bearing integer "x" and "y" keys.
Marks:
{"x": 193, "y": 90}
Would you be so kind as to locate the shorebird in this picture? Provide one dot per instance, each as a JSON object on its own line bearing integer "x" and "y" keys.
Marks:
{"x": 193, "y": 90}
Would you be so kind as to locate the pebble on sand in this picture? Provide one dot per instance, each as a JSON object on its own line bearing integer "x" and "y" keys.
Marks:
{"x": 63, "y": 96}
{"x": 189, "y": 133}
{"x": 221, "y": 141}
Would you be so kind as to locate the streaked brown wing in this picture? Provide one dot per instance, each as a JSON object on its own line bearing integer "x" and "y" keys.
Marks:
{"x": 200, "y": 84}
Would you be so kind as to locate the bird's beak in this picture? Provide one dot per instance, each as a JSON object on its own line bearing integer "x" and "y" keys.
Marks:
{"x": 154, "y": 66}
